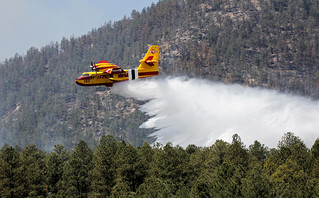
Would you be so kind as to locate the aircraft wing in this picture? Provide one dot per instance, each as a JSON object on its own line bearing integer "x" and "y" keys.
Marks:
{"x": 105, "y": 64}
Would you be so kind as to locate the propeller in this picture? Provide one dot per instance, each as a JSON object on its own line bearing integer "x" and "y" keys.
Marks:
{"x": 93, "y": 65}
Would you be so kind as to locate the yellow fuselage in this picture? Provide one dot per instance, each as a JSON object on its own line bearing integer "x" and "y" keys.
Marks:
{"x": 105, "y": 73}
{"x": 101, "y": 78}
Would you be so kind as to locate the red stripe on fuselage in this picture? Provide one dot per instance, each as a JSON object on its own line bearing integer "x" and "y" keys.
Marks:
{"x": 147, "y": 73}
{"x": 84, "y": 77}
{"x": 106, "y": 84}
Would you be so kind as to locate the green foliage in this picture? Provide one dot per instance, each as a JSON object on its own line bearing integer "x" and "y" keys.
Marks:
{"x": 258, "y": 152}
{"x": 76, "y": 179}
{"x": 121, "y": 189}
{"x": 126, "y": 166}
{"x": 11, "y": 174}
{"x": 256, "y": 183}
{"x": 154, "y": 187}
{"x": 104, "y": 171}
{"x": 169, "y": 165}
{"x": 117, "y": 169}
{"x": 33, "y": 168}
{"x": 204, "y": 187}
{"x": 55, "y": 162}
{"x": 289, "y": 180}
{"x": 290, "y": 148}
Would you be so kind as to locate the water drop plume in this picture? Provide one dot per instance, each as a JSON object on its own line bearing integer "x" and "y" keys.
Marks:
{"x": 193, "y": 111}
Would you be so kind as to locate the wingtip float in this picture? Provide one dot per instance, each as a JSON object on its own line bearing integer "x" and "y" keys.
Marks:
{"x": 105, "y": 73}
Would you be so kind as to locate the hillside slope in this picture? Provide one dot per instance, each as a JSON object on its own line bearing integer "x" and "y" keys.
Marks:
{"x": 274, "y": 44}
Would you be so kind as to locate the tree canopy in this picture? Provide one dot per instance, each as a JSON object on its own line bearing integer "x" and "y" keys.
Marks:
{"x": 117, "y": 169}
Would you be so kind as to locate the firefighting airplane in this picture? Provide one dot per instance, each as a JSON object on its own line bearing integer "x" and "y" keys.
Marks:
{"x": 105, "y": 73}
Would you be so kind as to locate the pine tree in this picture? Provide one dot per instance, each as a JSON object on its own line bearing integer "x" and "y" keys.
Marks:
{"x": 289, "y": 180}
{"x": 144, "y": 158}
{"x": 204, "y": 186}
{"x": 55, "y": 162}
{"x": 169, "y": 164}
{"x": 76, "y": 180}
{"x": 125, "y": 161}
{"x": 290, "y": 147}
{"x": 11, "y": 175}
{"x": 33, "y": 167}
{"x": 256, "y": 183}
{"x": 286, "y": 167}
{"x": 155, "y": 187}
{"x": 313, "y": 171}
{"x": 122, "y": 189}
{"x": 232, "y": 170}
{"x": 104, "y": 171}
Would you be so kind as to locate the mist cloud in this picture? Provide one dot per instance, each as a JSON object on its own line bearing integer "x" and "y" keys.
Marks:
{"x": 192, "y": 111}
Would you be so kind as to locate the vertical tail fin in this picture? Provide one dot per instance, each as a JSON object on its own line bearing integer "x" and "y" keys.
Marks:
{"x": 149, "y": 64}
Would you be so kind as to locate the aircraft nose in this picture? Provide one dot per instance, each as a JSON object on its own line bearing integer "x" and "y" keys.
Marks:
{"x": 80, "y": 80}
{"x": 77, "y": 82}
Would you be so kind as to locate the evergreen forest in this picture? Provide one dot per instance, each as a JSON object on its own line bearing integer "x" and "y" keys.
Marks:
{"x": 267, "y": 43}
{"x": 118, "y": 169}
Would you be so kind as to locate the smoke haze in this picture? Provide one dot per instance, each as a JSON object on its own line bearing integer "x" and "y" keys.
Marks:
{"x": 192, "y": 111}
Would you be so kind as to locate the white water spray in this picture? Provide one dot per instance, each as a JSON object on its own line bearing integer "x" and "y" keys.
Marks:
{"x": 192, "y": 111}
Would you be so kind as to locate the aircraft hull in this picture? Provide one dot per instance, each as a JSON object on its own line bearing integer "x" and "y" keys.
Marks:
{"x": 105, "y": 73}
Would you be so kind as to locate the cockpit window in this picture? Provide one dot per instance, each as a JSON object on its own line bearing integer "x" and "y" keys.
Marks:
{"x": 85, "y": 75}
